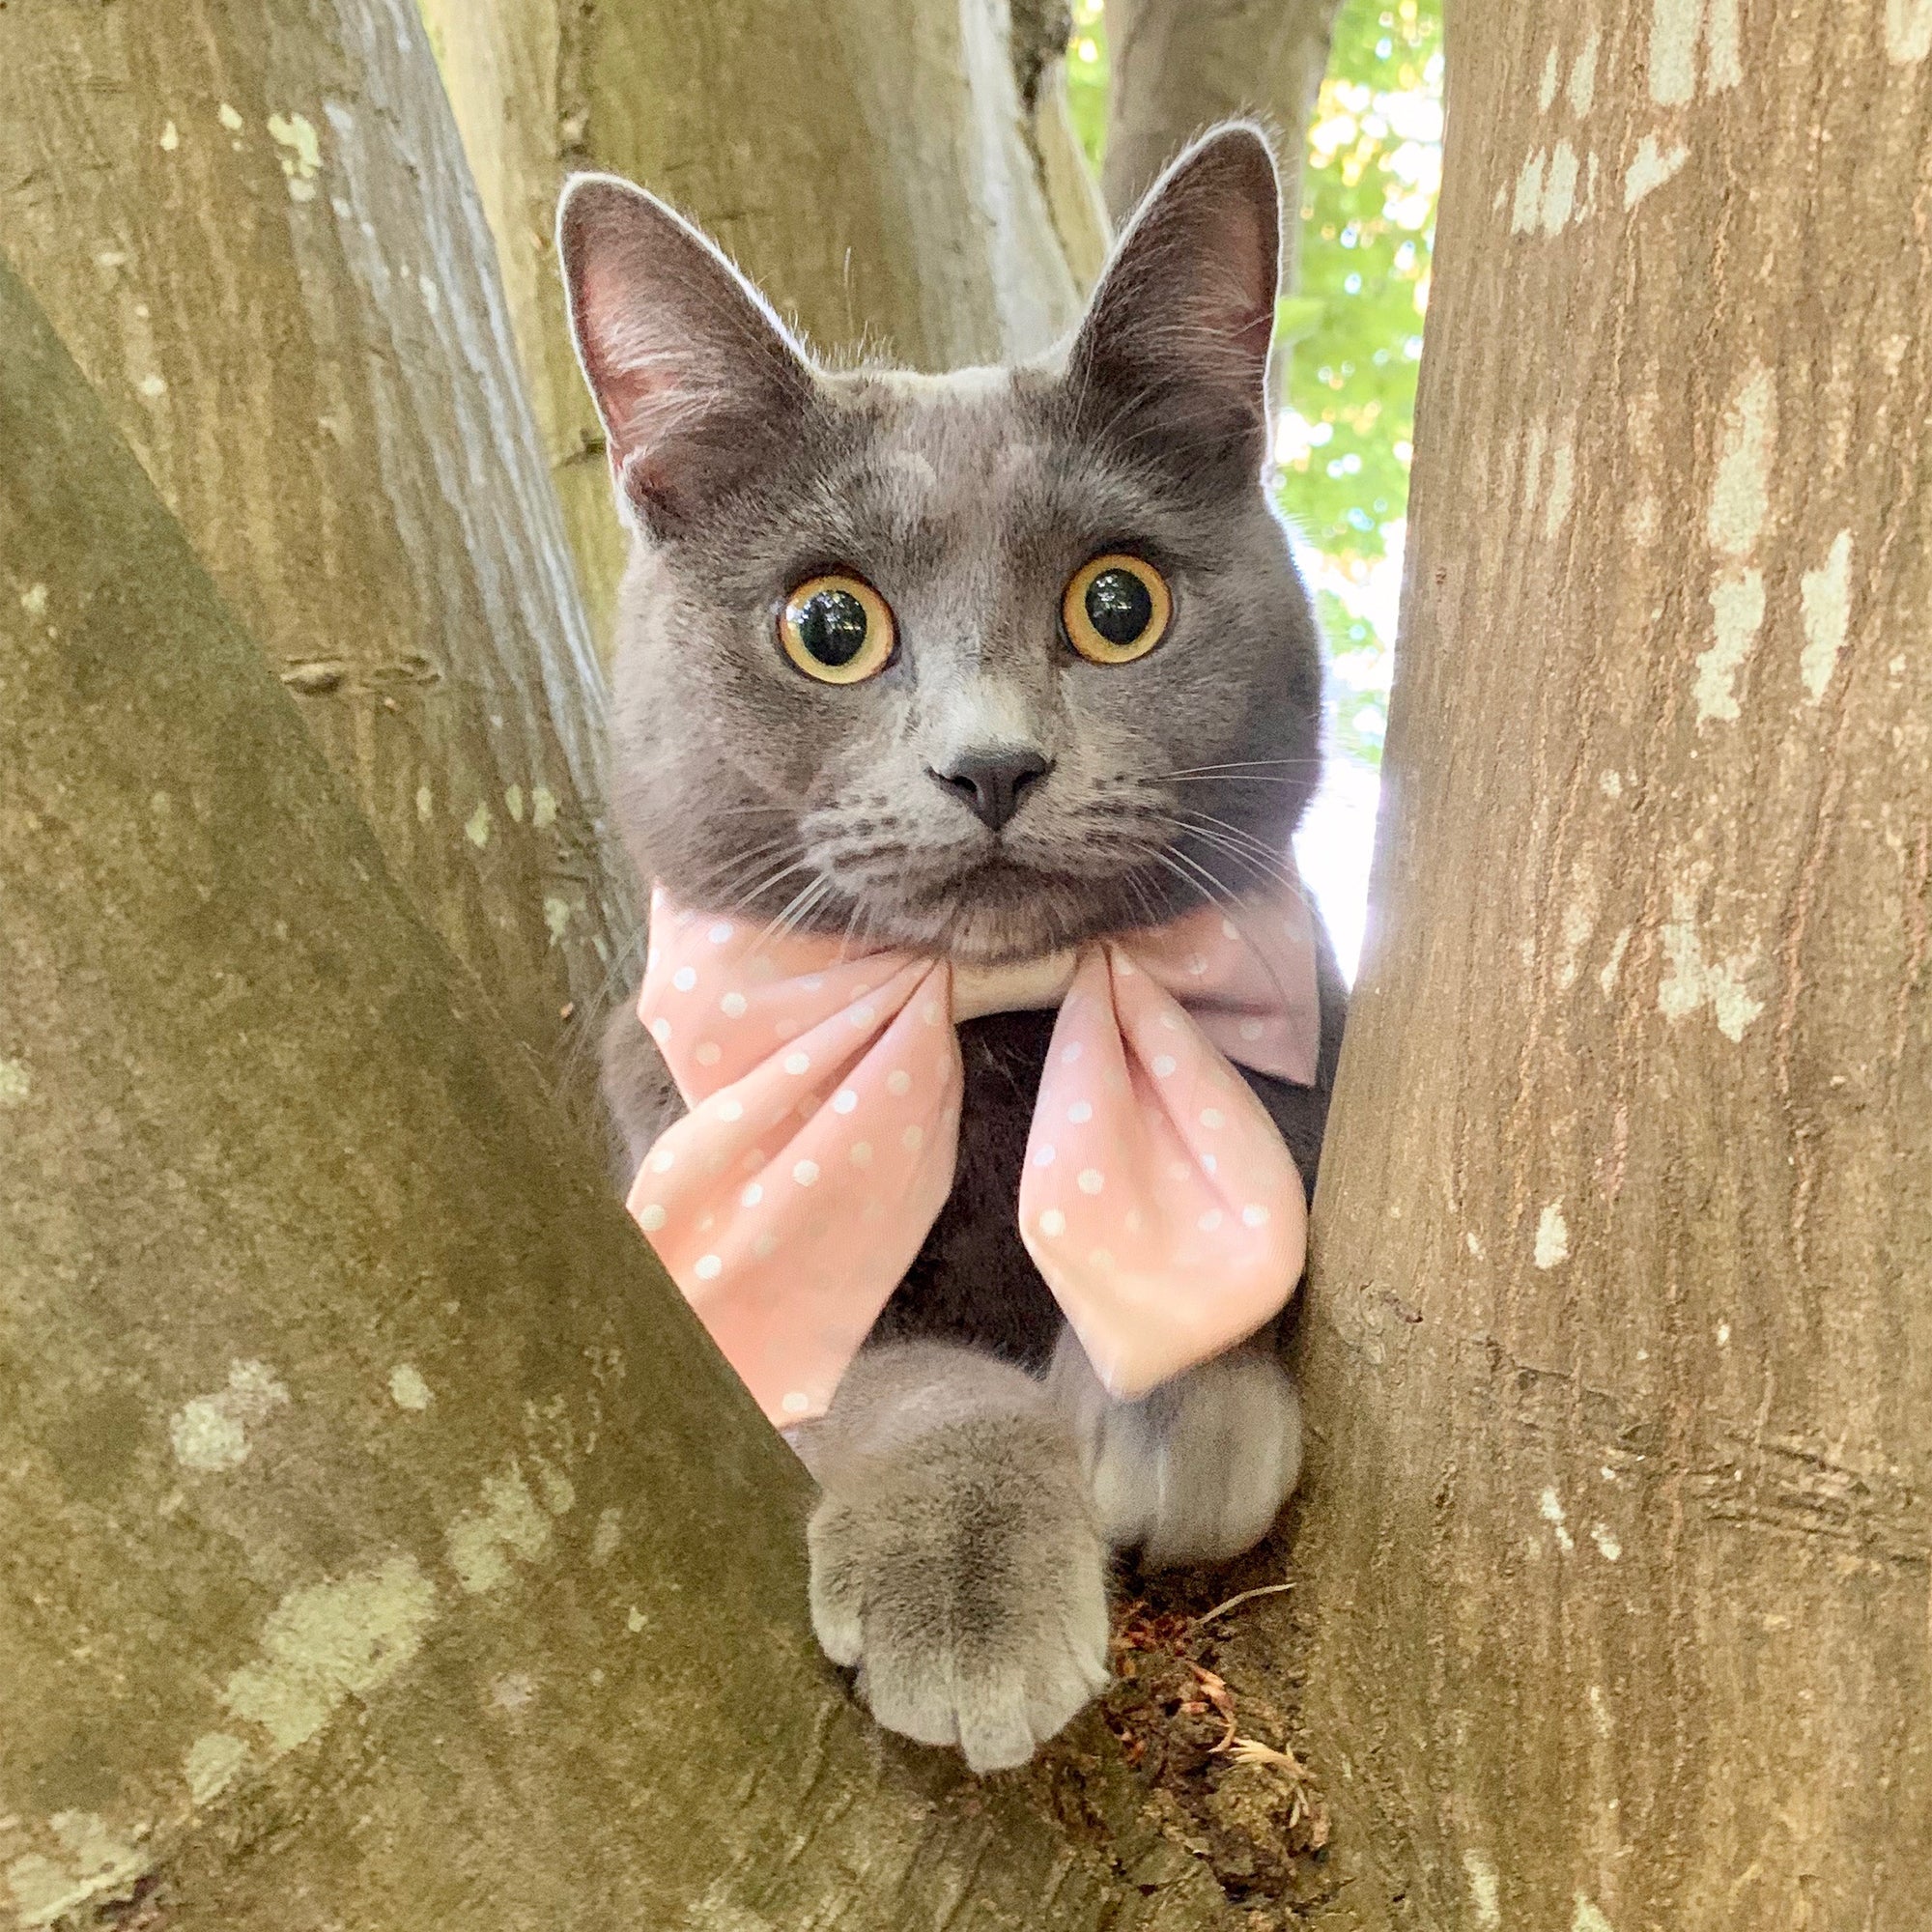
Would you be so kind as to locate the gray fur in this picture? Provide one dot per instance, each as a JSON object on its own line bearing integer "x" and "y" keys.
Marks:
{"x": 1195, "y": 1472}
{"x": 957, "y": 1555}
{"x": 955, "y": 1559}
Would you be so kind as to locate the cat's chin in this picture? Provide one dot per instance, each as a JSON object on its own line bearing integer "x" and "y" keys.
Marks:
{"x": 1003, "y": 911}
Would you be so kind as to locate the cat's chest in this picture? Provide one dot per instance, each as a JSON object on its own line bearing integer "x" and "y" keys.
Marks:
{"x": 973, "y": 1280}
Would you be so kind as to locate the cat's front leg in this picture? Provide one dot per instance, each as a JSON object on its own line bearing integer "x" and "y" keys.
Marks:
{"x": 1197, "y": 1470}
{"x": 955, "y": 1559}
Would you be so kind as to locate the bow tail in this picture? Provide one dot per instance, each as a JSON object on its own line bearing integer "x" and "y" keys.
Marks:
{"x": 1158, "y": 1201}
{"x": 787, "y": 1207}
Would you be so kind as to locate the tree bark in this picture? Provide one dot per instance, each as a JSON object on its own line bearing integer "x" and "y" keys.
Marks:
{"x": 254, "y": 229}
{"x": 1614, "y": 1553}
{"x": 386, "y": 1544}
{"x": 1177, "y": 66}
{"x": 871, "y": 164}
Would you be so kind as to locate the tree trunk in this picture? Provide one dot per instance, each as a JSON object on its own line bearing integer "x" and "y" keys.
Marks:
{"x": 254, "y": 230}
{"x": 386, "y": 1544}
{"x": 1177, "y": 66}
{"x": 870, "y": 163}
{"x": 1614, "y": 1556}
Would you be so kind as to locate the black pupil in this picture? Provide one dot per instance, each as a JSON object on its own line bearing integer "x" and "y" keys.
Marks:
{"x": 832, "y": 627}
{"x": 1119, "y": 606}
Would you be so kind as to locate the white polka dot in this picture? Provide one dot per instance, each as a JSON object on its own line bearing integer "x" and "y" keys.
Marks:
{"x": 684, "y": 979}
{"x": 663, "y": 1161}
{"x": 914, "y": 1138}
{"x": 1070, "y": 1053}
{"x": 650, "y": 1218}
{"x": 861, "y": 1155}
{"x": 732, "y": 1005}
{"x": 813, "y": 982}
{"x": 766, "y": 1245}
{"x": 1136, "y": 1221}
{"x": 1196, "y": 963}
{"x": 930, "y": 1012}
{"x": 1253, "y": 1214}
{"x": 806, "y": 1172}
{"x": 708, "y": 1053}
{"x": 1043, "y": 1155}
{"x": 731, "y": 1110}
{"x": 844, "y": 1100}
{"x": 1208, "y": 1163}
{"x": 1252, "y": 1029}
{"x": 1210, "y": 1221}
{"x": 1171, "y": 1022}
{"x": 1164, "y": 1063}
{"x": 796, "y": 1403}
{"x": 719, "y": 932}
{"x": 1212, "y": 1117}
{"x": 660, "y": 1029}
{"x": 1053, "y": 1223}
{"x": 705, "y": 1226}
{"x": 709, "y": 1267}
{"x": 1178, "y": 1170}
{"x": 898, "y": 1083}
{"x": 752, "y": 1196}
{"x": 1125, "y": 967}
{"x": 1101, "y": 1258}
{"x": 1091, "y": 1181}
{"x": 798, "y": 1063}
{"x": 1230, "y": 930}
{"x": 862, "y": 1016}
{"x": 1080, "y": 1112}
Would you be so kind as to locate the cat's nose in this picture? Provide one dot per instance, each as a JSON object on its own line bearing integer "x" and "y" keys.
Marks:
{"x": 991, "y": 783}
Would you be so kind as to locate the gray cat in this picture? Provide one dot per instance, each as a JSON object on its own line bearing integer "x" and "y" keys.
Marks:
{"x": 987, "y": 791}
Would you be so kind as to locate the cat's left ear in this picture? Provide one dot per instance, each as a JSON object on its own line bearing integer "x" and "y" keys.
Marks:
{"x": 1171, "y": 362}
{"x": 696, "y": 379}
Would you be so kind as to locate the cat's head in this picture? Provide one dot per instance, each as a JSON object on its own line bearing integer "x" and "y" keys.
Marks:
{"x": 982, "y": 662}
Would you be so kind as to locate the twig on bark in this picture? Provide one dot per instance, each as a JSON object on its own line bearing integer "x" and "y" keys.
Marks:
{"x": 1241, "y": 1597}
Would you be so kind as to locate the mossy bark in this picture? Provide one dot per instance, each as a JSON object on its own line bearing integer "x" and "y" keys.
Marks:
{"x": 254, "y": 229}
{"x": 385, "y": 1545}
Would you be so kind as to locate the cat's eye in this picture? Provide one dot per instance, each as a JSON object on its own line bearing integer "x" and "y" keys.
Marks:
{"x": 1116, "y": 608}
{"x": 837, "y": 629}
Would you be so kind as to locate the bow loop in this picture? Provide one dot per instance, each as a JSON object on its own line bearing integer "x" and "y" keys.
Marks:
{"x": 1159, "y": 1203}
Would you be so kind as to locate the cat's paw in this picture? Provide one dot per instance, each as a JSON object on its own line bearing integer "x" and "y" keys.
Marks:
{"x": 963, "y": 1575}
{"x": 1197, "y": 1470}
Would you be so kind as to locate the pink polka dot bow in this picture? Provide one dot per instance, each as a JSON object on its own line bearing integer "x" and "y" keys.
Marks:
{"x": 1158, "y": 1199}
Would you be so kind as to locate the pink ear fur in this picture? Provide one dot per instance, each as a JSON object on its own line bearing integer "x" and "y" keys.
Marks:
{"x": 679, "y": 350}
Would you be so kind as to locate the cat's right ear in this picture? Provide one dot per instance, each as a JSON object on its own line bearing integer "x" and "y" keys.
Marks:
{"x": 693, "y": 372}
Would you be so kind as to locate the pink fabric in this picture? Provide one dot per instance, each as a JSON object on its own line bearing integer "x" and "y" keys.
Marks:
{"x": 1158, "y": 1201}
